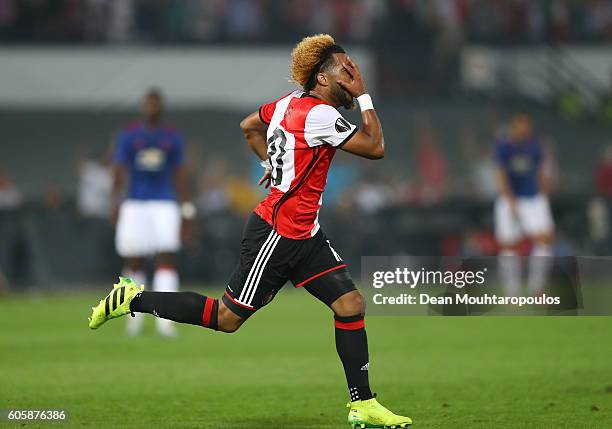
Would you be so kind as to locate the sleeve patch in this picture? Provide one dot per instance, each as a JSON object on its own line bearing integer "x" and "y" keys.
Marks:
{"x": 342, "y": 125}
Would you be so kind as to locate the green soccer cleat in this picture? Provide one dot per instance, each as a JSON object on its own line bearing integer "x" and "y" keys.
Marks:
{"x": 370, "y": 414}
{"x": 116, "y": 303}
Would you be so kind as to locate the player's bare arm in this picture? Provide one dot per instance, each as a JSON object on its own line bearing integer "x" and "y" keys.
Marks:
{"x": 368, "y": 142}
{"x": 255, "y": 133}
{"x": 180, "y": 184}
{"x": 119, "y": 182}
{"x": 505, "y": 190}
{"x": 254, "y": 130}
{"x": 503, "y": 183}
{"x": 188, "y": 210}
{"x": 544, "y": 184}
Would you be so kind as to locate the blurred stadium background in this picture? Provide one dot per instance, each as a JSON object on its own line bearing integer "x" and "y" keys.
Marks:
{"x": 446, "y": 75}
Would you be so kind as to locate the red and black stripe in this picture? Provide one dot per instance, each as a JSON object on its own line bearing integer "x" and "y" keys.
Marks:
{"x": 350, "y": 323}
{"x": 210, "y": 313}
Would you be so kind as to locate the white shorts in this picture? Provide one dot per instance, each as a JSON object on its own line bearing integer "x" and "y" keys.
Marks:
{"x": 533, "y": 218}
{"x": 146, "y": 228}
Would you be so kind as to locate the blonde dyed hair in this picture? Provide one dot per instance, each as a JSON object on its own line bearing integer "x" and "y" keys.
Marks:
{"x": 306, "y": 55}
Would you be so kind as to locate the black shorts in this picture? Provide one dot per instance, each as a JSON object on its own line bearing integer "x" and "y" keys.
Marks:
{"x": 268, "y": 261}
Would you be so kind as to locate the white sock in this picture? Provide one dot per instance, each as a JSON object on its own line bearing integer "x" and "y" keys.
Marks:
{"x": 510, "y": 272}
{"x": 135, "y": 324}
{"x": 165, "y": 279}
{"x": 540, "y": 262}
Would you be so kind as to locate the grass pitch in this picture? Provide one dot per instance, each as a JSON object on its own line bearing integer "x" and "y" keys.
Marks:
{"x": 281, "y": 370}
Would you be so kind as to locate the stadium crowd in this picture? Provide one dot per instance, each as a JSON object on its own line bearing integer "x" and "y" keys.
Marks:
{"x": 430, "y": 176}
{"x": 197, "y": 21}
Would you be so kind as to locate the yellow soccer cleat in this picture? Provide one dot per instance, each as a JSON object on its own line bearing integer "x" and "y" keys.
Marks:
{"x": 370, "y": 414}
{"x": 116, "y": 303}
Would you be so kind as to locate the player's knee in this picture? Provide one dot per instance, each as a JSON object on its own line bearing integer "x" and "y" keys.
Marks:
{"x": 227, "y": 321}
{"x": 228, "y": 327}
{"x": 349, "y": 304}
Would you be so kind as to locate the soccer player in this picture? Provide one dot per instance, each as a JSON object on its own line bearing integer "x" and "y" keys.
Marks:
{"x": 522, "y": 209}
{"x": 149, "y": 161}
{"x": 296, "y": 138}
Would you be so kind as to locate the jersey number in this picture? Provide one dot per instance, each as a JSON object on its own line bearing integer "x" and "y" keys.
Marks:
{"x": 276, "y": 146}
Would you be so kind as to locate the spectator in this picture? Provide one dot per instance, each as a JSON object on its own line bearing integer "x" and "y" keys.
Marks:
{"x": 449, "y": 36}
{"x": 371, "y": 197}
{"x": 480, "y": 166}
{"x": 10, "y": 196}
{"x": 483, "y": 175}
{"x": 601, "y": 19}
{"x": 599, "y": 225}
{"x": 53, "y": 197}
{"x": 121, "y": 20}
{"x": 374, "y": 192}
{"x": 550, "y": 165}
{"x": 431, "y": 164}
{"x": 342, "y": 175}
{"x": 603, "y": 174}
{"x": 446, "y": 22}
{"x": 212, "y": 194}
{"x": 560, "y": 25}
{"x": 243, "y": 196}
{"x": 8, "y": 15}
{"x": 245, "y": 20}
{"x": 94, "y": 187}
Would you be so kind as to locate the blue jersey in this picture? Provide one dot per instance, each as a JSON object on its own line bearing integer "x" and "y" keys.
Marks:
{"x": 151, "y": 156}
{"x": 521, "y": 161}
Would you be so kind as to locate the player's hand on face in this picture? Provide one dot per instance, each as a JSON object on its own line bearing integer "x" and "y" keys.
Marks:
{"x": 266, "y": 179}
{"x": 354, "y": 85}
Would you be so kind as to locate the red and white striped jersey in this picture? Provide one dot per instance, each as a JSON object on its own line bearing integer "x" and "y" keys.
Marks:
{"x": 303, "y": 135}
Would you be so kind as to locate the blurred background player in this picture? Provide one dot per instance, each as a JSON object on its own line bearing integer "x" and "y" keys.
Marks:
{"x": 148, "y": 162}
{"x": 522, "y": 208}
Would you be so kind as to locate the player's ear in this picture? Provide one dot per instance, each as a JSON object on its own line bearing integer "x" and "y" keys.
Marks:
{"x": 322, "y": 79}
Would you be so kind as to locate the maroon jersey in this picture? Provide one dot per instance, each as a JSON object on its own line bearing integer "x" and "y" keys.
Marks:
{"x": 303, "y": 135}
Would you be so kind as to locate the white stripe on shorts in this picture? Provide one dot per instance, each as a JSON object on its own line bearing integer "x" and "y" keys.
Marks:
{"x": 253, "y": 287}
{"x": 258, "y": 259}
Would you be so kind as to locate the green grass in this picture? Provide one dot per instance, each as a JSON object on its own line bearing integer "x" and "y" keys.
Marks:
{"x": 281, "y": 370}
